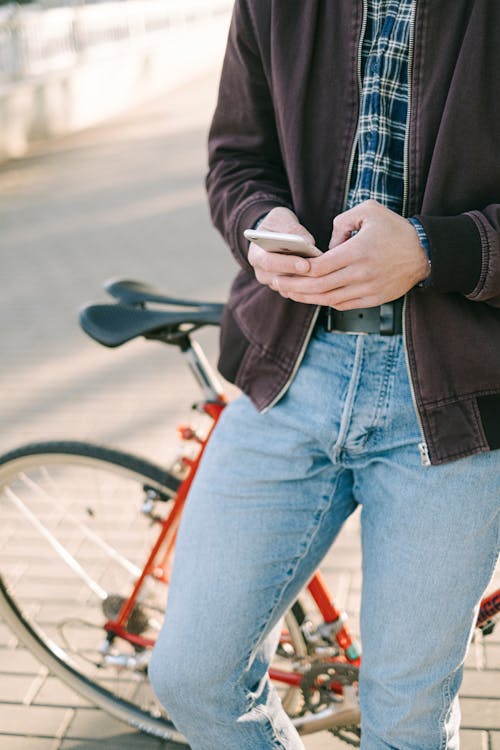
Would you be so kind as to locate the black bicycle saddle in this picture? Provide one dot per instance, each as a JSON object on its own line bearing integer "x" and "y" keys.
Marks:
{"x": 115, "y": 324}
{"x": 137, "y": 292}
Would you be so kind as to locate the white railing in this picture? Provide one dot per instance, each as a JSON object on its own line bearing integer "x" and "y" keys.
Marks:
{"x": 36, "y": 40}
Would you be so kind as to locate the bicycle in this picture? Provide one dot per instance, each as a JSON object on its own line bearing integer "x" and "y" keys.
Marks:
{"x": 88, "y": 592}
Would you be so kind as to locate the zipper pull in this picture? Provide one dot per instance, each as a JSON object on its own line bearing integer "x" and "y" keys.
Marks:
{"x": 424, "y": 454}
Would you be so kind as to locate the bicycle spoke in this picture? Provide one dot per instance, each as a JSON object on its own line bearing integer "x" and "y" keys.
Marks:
{"x": 68, "y": 558}
{"x": 91, "y": 535}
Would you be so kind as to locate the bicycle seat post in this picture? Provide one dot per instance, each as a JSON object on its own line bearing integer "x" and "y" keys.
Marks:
{"x": 202, "y": 370}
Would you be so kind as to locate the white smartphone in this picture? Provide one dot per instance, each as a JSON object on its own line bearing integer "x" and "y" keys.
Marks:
{"x": 279, "y": 242}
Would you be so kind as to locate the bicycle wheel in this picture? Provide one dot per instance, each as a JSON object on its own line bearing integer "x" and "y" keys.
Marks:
{"x": 75, "y": 534}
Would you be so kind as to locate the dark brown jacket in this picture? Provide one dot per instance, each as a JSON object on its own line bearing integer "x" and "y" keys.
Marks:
{"x": 283, "y": 135}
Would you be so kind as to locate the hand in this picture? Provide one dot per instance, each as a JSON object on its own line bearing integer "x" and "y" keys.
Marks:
{"x": 380, "y": 263}
{"x": 268, "y": 266}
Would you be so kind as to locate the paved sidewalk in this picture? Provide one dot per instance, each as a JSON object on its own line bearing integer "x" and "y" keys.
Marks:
{"x": 127, "y": 199}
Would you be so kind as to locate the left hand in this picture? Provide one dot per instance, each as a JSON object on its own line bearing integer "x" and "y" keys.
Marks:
{"x": 380, "y": 263}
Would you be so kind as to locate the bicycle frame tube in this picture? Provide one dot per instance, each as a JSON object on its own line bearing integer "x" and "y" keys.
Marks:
{"x": 333, "y": 618}
{"x": 165, "y": 540}
{"x": 159, "y": 560}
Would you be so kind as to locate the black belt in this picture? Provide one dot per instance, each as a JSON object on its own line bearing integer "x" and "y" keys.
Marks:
{"x": 386, "y": 320}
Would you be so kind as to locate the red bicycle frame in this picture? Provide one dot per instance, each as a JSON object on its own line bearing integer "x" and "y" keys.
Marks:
{"x": 159, "y": 560}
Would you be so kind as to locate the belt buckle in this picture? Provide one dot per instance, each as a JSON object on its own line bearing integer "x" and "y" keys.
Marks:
{"x": 329, "y": 324}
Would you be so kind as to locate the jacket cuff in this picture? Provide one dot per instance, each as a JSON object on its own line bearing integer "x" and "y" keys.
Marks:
{"x": 456, "y": 252}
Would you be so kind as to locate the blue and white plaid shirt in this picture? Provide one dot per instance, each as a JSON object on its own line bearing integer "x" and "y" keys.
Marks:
{"x": 378, "y": 171}
{"x": 379, "y": 164}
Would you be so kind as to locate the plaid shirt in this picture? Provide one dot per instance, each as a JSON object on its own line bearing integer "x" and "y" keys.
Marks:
{"x": 379, "y": 162}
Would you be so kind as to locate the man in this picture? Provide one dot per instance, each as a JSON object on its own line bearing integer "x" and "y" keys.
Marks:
{"x": 383, "y": 117}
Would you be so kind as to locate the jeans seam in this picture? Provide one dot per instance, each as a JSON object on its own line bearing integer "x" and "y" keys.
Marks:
{"x": 298, "y": 559}
{"x": 445, "y": 713}
{"x": 279, "y": 597}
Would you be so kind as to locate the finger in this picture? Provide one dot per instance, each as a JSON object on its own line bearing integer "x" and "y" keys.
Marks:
{"x": 268, "y": 279}
{"x": 276, "y": 263}
{"x": 339, "y": 236}
{"x": 343, "y": 228}
{"x": 333, "y": 260}
{"x": 318, "y": 284}
{"x": 346, "y": 298}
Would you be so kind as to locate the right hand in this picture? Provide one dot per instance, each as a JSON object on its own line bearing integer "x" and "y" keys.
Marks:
{"x": 268, "y": 266}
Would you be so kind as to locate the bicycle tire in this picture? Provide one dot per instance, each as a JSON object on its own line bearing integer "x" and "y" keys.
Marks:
{"x": 33, "y": 478}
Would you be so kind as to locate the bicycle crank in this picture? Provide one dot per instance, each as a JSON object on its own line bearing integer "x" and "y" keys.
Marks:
{"x": 325, "y": 681}
{"x": 330, "y": 700}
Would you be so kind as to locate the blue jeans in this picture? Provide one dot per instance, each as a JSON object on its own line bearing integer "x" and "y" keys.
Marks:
{"x": 272, "y": 493}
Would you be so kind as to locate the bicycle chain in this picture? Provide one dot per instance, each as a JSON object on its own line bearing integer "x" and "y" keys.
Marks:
{"x": 350, "y": 735}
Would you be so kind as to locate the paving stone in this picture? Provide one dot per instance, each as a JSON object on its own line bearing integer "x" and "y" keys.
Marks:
{"x": 94, "y": 724}
{"x": 10, "y": 742}
{"x": 470, "y": 740}
{"x": 15, "y": 687}
{"x": 7, "y": 638}
{"x": 53, "y": 692}
{"x": 485, "y": 684}
{"x": 18, "y": 661}
{"x": 480, "y": 713}
{"x": 133, "y": 741}
{"x": 476, "y": 657}
{"x": 323, "y": 741}
{"x": 11, "y": 569}
{"x": 492, "y": 655}
{"x": 50, "y": 591}
{"x": 494, "y": 741}
{"x": 32, "y": 720}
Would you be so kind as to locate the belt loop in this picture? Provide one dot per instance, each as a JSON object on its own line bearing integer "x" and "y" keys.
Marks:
{"x": 387, "y": 319}
{"x": 329, "y": 319}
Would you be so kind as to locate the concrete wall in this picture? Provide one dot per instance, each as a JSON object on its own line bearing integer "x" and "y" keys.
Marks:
{"x": 51, "y": 84}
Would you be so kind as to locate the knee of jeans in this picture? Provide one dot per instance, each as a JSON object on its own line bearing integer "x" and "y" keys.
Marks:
{"x": 169, "y": 678}
{"x": 417, "y": 711}
{"x": 184, "y": 680}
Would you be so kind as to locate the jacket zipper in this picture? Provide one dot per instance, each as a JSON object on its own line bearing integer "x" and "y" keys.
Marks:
{"x": 422, "y": 446}
{"x": 305, "y": 344}
{"x": 360, "y": 86}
